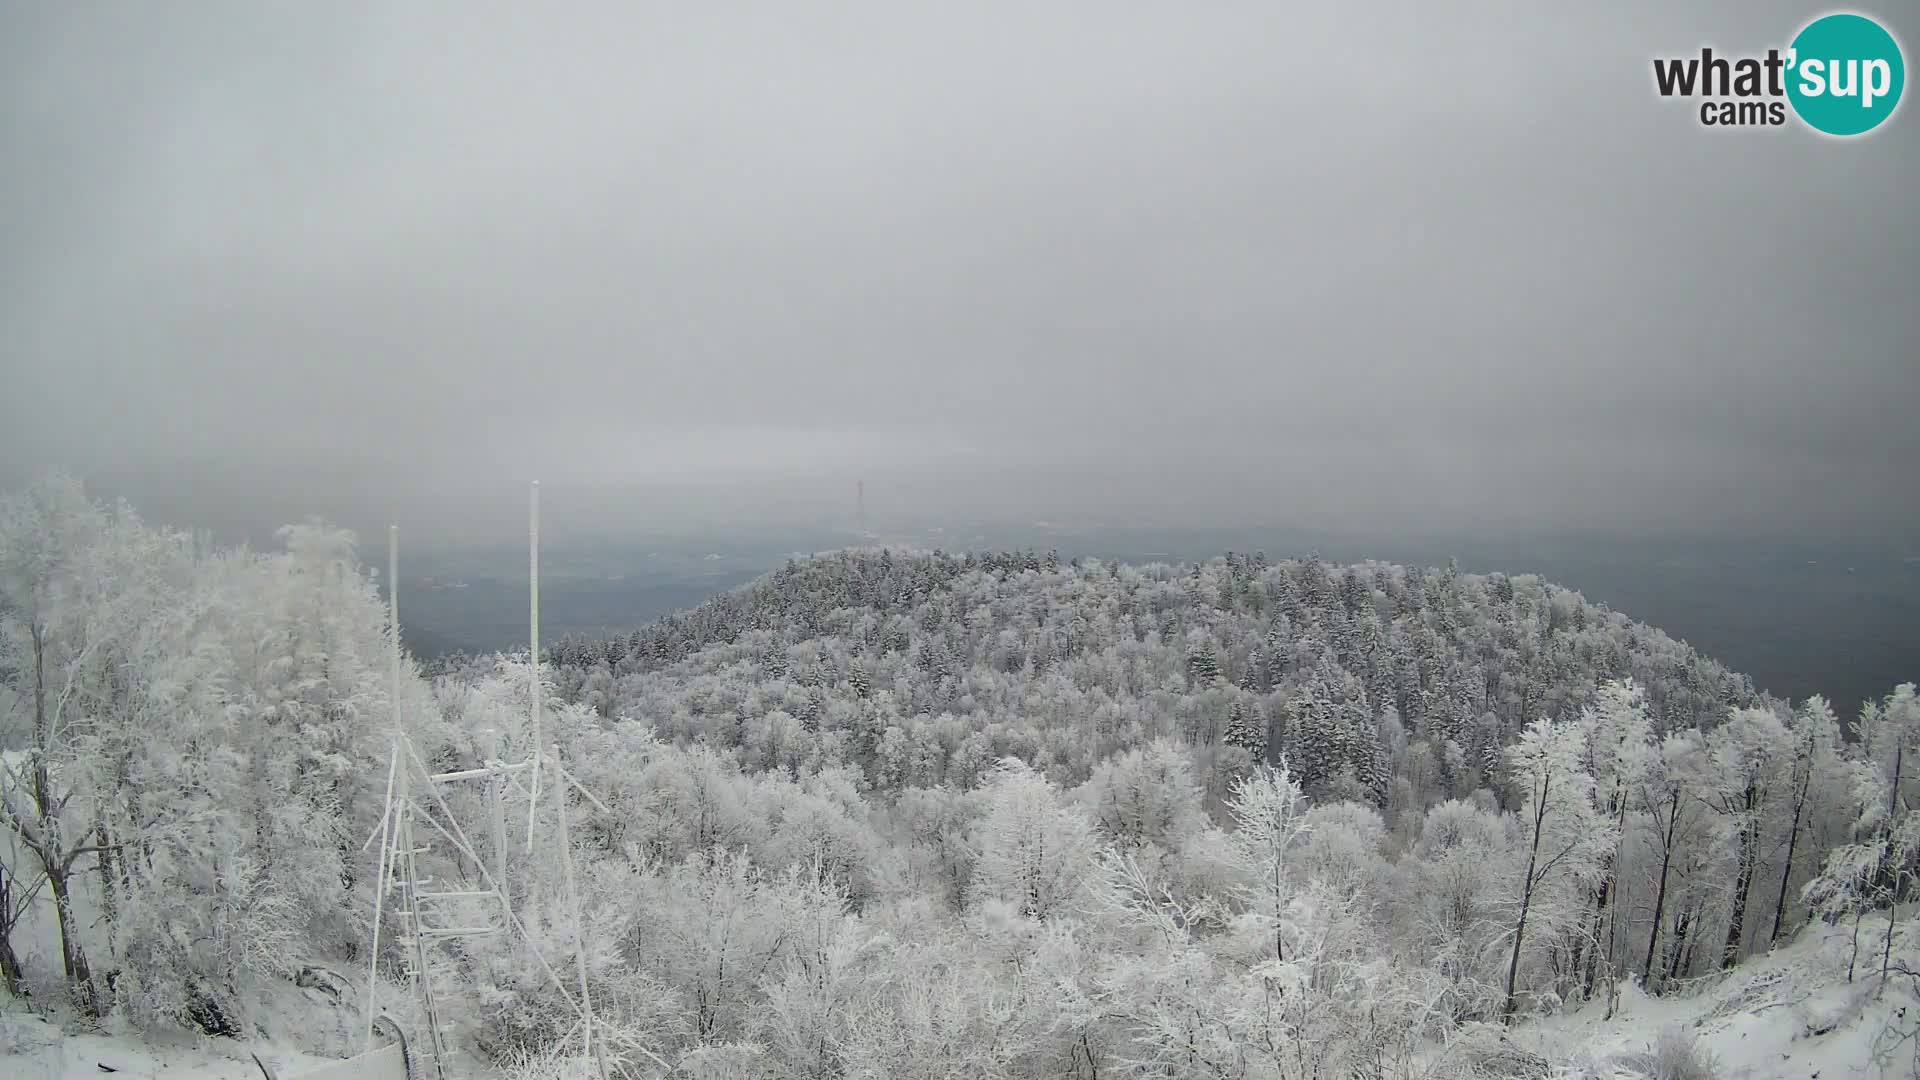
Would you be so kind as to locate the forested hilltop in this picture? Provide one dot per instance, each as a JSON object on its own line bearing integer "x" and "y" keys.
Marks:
{"x": 1397, "y": 686}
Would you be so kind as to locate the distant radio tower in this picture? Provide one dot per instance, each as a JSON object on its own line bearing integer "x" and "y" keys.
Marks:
{"x": 860, "y": 505}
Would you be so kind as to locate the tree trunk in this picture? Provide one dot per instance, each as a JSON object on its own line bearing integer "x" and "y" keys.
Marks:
{"x": 1526, "y": 902}
{"x": 1886, "y": 951}
{"x": 1677, "y": 953}
{"x": 1660, "y": 896}
{"x": 1513, "y": 962}
{"x": 10, "y": 972}
{"x": 1593, "y": 945}
{"x": 73, "y": 956}
{"x": 1887, "y": 878}
{"x": 1893, "y": 796}
{"x": 1853, "y": 959}
{"x": 109, "y": 891}
{"x": 1617, "y": 810}
{"x": 1582, "y": 936}
{"x": 1793, "y": 839}
{"x": 1736, "y": 920}
{"x": 1742, "y": 884}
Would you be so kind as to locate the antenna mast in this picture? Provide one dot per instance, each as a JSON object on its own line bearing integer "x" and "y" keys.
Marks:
{"x": 430, "y": 915}
{"x": 393, "y": 616}
{"x": 533, "y": 634}
{"x": 393, "y": 766}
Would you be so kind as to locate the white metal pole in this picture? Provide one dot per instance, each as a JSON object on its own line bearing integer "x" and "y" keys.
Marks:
{"x": 393, "y": 765}
{"x": 579, "y": 922}
{"x": 533, "y": 634}
{"x": 393, "y": 615}
{"x": 380, "y": 892}
{"x": 499, "y": 784}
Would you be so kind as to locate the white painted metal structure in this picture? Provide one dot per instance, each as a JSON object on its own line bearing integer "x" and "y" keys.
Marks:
{"x": 416, "y": 815}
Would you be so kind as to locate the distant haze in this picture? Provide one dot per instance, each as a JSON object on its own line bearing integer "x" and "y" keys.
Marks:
{"x": 1404, "y": 266}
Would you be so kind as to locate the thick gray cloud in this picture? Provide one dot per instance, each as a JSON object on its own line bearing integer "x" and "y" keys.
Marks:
{"x": 1416, "y": 265}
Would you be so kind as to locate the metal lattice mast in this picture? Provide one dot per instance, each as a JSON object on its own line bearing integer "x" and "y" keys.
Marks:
{"x": 410, "y": 898}
{"x": 413, "y": 800}
{"x": 393, "y": 765}
{"x": 433, "y": 915}
{"x": 380, "y": 893}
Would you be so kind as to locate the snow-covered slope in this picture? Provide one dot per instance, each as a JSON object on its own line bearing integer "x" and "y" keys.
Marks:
{"x": 33, "y": 1049}
{"x": 301, "y": 1028}
{"x": 1788, "y": 1015}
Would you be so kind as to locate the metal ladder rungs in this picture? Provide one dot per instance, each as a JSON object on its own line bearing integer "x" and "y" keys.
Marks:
{"x": 436, "y": 969}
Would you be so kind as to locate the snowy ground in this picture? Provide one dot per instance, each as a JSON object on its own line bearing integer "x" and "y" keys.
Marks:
{"x": 300, "y": 1029}
{"x": 32, "y": 1049}
{"x": 1791, "y": 1015}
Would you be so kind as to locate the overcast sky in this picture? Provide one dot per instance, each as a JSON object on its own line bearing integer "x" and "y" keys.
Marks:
{"x": 1412, "y": 266}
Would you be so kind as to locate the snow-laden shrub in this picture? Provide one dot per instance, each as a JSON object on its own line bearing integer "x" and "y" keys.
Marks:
{"x": 553, "y": 1063}
{"x": 1675, "y": 1055}
{"x": 1478, "y": 1050}
{"x": 522, "y": 1015}
{"x": 953, "y": 1008}
{"x": 725, "y": 1061}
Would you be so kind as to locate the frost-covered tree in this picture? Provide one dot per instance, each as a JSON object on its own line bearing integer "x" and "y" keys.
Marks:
{"x": 1203, "y": 663}
{"x": 1816, "y": 776}
{"x": 1344, "y": 850}
{"x": 63, "y": 610}
{"x": 1618, "y": 735}
{"x": 195, "y": 748}
{"x": 1882, "y": 866}
{"x": 711, "y": 926}
{"x": 1887, "y": 741}
{"x": 1246, "y": 729}
{"x": 816, "y": 981}
{"x": 1036, "y": 850}
{"x": 1566, "y": 838}
{"x": 1675, "y": 818}
{"x": 1145, "y": 796}
{"x": 1269, "y": 816}
{"x": 1750, "y": 757}
{"x": 1453, "y": 898}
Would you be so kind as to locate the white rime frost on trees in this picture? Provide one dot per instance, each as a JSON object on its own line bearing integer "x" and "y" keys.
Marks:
{"x": 1566, "y": 839}
{"x": 1009, "y": 816}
